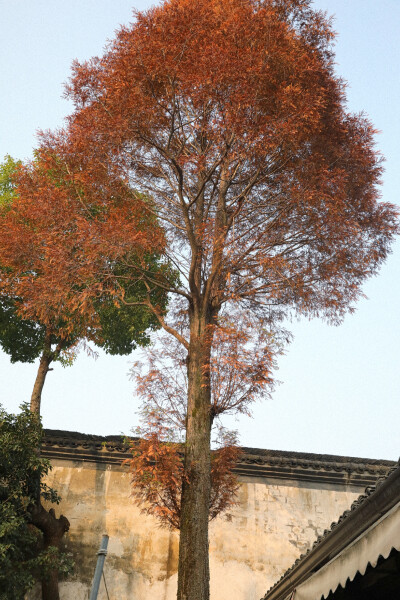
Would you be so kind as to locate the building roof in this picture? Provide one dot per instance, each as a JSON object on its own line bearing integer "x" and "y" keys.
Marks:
{"x": 254, "y": 462}
{"x": 377, "y": 500}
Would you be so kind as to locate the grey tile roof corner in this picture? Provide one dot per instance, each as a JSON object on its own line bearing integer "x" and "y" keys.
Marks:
{"x": 391, "y": 481}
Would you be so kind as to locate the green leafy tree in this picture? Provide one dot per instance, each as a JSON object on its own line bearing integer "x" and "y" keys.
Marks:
{"x": 117, "y": 328}
{"x": 24, "y": 555}
{"x": 7, "y": 190}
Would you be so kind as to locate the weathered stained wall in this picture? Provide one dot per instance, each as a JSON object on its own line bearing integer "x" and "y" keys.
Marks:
{"x": 274, "y": 521}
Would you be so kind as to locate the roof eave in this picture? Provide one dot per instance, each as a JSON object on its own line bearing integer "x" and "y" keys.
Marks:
{"x": 385, "y": 496}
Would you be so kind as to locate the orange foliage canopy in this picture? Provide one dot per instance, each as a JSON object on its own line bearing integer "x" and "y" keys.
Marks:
{"x": 244, "y": 354}
{"x": 157, "y": 474}
{"x": 68, "y": 225}
{"x": 229, "y": 115}
{"x": 241, "y": 372}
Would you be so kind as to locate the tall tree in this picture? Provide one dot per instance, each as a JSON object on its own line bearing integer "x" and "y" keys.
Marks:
{"x": 229, "y": 115}
{"x": 54, "y": 292}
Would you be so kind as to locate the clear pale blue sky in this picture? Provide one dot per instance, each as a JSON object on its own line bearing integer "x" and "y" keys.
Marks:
{"x": 340, "y": 386}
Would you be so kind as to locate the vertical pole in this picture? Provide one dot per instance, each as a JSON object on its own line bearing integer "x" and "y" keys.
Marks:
{"x": 101, "y": 557}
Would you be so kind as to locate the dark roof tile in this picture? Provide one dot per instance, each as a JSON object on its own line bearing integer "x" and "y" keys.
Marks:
{"x": 369, "y": 490}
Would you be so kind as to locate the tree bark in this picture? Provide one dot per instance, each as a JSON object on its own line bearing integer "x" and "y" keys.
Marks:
{"x": 193, "y": 571}
{"x": 43, "y": 369}
{"x": 52, "y": 528}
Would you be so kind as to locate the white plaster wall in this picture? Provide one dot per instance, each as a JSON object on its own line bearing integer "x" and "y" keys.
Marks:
{"x": 250, "y": 548}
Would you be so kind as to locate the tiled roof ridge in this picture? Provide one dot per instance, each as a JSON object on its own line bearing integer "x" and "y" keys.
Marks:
{"x": 368, "y": 492}
{"x": 315, "y": 456}
{"x": 328, "y": 462}
{"x": 254, "y": 456}
{"x": 77, "y": 435}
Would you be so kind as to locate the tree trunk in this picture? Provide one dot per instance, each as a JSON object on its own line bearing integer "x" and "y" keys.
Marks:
{"x": 193, "y": 571}
{"x": 50, "y": 586}
{"x": 52, "y": 528}
{"x": 43, "y": 369}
